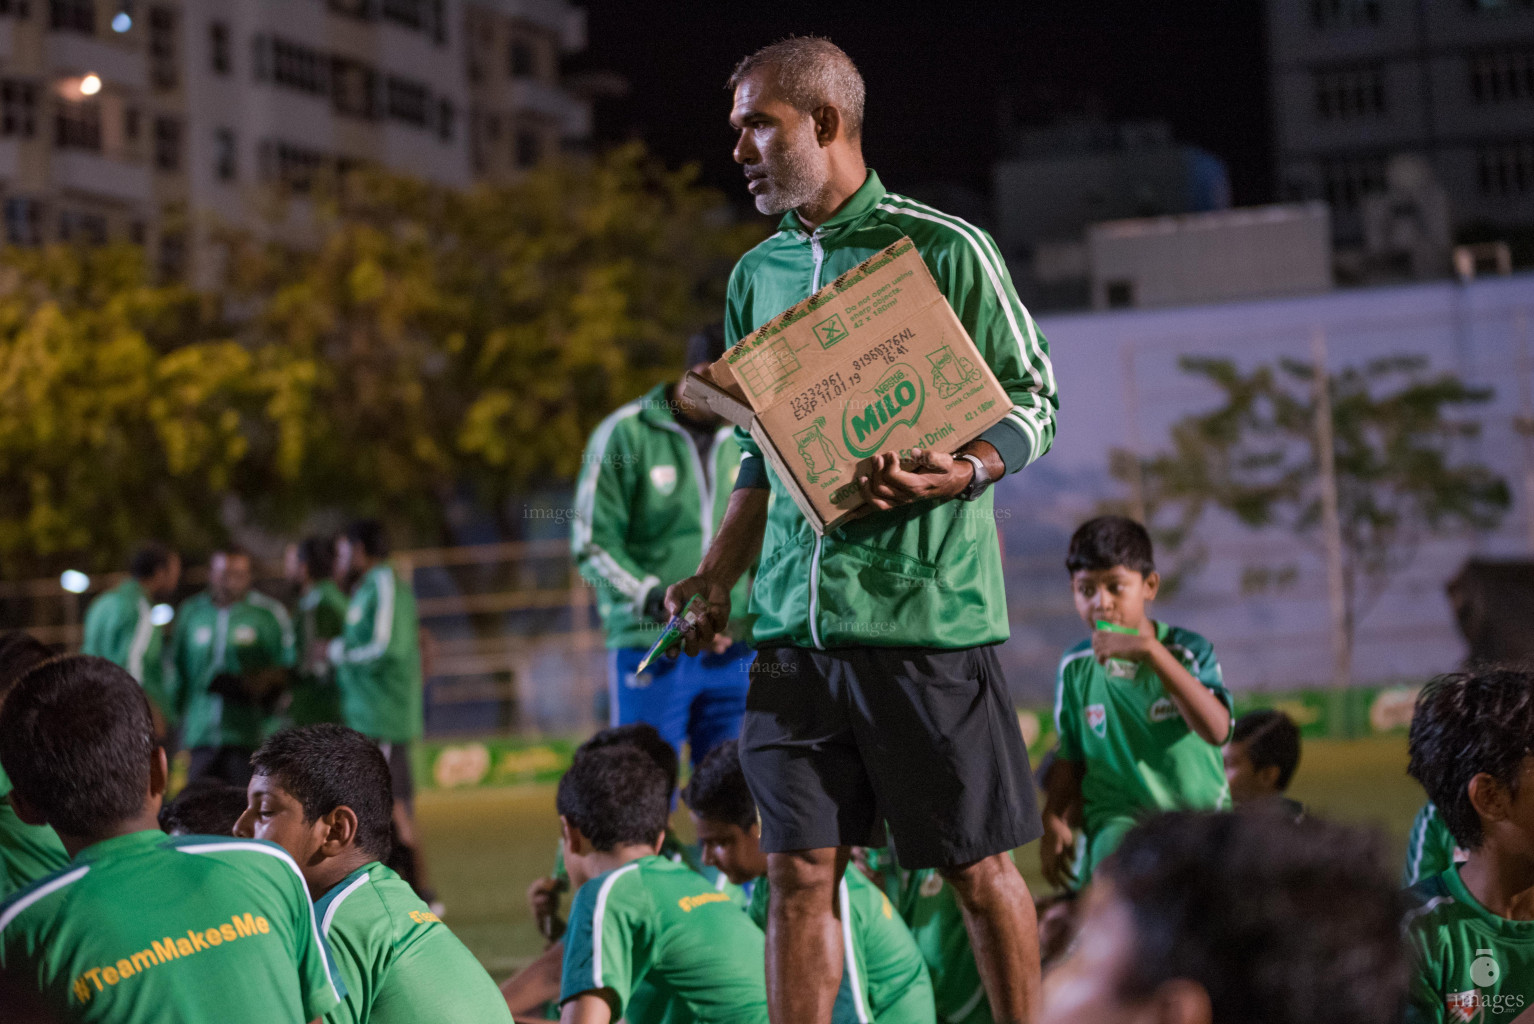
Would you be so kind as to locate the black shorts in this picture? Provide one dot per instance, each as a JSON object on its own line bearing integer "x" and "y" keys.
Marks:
{"x": 400, "y": 778}
{"x": 836, "y": 743}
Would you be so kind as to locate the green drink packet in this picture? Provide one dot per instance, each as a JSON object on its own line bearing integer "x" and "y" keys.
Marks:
{"x": 1118, "y": 668}
{"x": 675, "y": 629}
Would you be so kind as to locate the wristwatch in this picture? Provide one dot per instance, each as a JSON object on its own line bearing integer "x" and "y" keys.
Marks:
{"x": 979, "y": 483}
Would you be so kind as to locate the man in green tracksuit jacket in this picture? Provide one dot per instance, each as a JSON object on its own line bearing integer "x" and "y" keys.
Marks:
{"x": 119, "y": 625}
{"x": 876, "y": 692}
{"x": 654, "y": 483}
{"x": 377, "y": 660}
{"x": 321, "y": 618}
{"x": 231, "y": 654}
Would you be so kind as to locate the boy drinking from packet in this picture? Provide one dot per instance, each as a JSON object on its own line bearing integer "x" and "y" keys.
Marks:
{"x": 1140, "y": 707}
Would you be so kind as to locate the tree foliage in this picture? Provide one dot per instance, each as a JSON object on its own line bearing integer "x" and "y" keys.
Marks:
{"x": 1399, "y": 431}
{"x": 383, "y": 347}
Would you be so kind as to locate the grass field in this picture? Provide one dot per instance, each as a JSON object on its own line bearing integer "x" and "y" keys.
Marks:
{"x": 485, "y": 846}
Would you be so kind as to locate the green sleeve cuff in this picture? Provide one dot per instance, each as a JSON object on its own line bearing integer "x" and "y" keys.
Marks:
{"x": 1010, "y": 443}
{"x": 753, "y": 473}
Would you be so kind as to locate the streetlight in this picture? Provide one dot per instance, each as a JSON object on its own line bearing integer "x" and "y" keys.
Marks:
{"x": 90, "y": 85}
{"x": 75, "y": 581}
{"x": 122, "y": 21}
{"x": 161, "y": 614}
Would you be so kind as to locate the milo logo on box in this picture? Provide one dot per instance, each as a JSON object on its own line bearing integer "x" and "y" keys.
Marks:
{"x": 869, "y": 417}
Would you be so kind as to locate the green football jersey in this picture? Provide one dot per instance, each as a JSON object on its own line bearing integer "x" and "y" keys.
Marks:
{"x": 930, "y": 909}
{"x": 400, "y": 963}
{"x": 1430, "y": 849}
{"x": 377, "y": 658}
{"x": 884, "y": 976}
{"x": 658, "y": 922}
{"x": 1138, "y": 751}
{"x": 154, "y": 929}
{"x": 676, "y": 852}
{"x": 1470, "y": 966}
{"x": 248, "y": 636}
{"x": 27, "y": 852}
{"x": 119, "y": 627}
{"x": 321, "y": 616}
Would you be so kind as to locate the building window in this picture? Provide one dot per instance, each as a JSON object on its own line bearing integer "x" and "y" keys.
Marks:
{"x": 1492, "y": 6}
{"x": 18, "y": 109}
{"x": 298, "y": 67}
{"x": 218, "y": 44}
{"x": 292, "y": 166}
{"x": 1358, "y": 92}
{"x": 1502, "y": 77}
{"x": 523, "y": 58}
{"x": 1505, "y": 170}
{"x": 19, "y": 9}
{"x": 1344, "y": 183}
{"x": 130, "y": 124}
{"x": 225, "y": 155}
{"x": 23, "y": 221}
{"x": 408, "y": 101}
{"x": 163, "y": 70}
{"x": 362, "y": 10}
{"x": 138, "y": 232}
{"x": 72, "y": 16}
{"x": 78, "y": 125}
{"x": 172, "y": 255}
{"x": 529, "y": 147}
{"x": 446, "y": 116}
{"x": 167, "y": 144}
{"x": 80, "y": 226}
{"x": 354, "y": 88}
{"x": 1330, "y": 14}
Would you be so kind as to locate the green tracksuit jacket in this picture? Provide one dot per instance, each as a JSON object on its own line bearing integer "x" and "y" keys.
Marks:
{"x": 646, "y": 507}
{"x": 248, "y": 636}
{"x": 118, "y": 628}
{"x": 378, "y": 659}
{"x": 927, "y": 574}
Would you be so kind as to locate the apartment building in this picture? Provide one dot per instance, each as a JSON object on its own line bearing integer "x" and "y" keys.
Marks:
{"x": 1356, "y": 82}
{"x": 153, "y": 121}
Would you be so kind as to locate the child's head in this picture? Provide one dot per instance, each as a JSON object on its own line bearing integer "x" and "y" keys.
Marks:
{"x": 724, "y": 813}
{"x": 322, "y": 793}
{"x": 1262, "y": 754}
{"x": 1113, "y": 571}
{"x": 204, "y": 808}
{"x": 77, "y": 740}
{"x": 643, "y": 737}
{"x": 1200, "y": 918}
{"x": 1470, "y": 742}
{"x": 612, "y": 799}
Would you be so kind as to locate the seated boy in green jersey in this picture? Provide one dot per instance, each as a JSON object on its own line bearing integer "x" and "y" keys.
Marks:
{"x": 1429, "y": 847}
{"x": 535, "y": 989}
{"x": 649, "y": 939}
{"x": 323, "y": 792}
{"x": 143, "y": 927}
{"x": 1140, "y": 707}
{"x": 1260, "y": 760}
{"x": 1471, "y": 931}
{"x": 27, "y": 852}
{"x": 885, "y": 978}
{"x": 1208, "y": 918}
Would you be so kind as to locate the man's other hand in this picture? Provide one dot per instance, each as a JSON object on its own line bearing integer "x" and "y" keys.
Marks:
{"x": 891, "y": 482}
{"x": 717, "y": 598}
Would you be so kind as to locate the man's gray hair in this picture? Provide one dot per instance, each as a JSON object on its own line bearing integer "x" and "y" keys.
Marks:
{"x": 812, "y": 72}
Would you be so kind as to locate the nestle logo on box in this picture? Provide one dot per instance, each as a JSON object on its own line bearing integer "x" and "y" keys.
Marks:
{"x": 876, "y": 361}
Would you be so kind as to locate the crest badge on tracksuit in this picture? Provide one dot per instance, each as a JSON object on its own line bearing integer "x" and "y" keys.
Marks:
{"x": 663, "y": 478}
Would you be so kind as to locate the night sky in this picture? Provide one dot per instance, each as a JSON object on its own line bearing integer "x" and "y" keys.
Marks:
{"x": 940, "y": 75}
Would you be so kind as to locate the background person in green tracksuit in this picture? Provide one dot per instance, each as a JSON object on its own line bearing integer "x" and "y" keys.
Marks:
{"x": 231, "y": 653}
{"x": 321, "y": 617}
{"x": 876, "y": 692}
{"x": 27, "y": 852}
{"x": 119, "y": 627}
{"x": 377, "y": 662}
{"x": 654, "y": 482}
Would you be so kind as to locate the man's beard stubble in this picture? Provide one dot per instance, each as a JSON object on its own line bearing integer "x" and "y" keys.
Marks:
{"x": 796, "y": 178}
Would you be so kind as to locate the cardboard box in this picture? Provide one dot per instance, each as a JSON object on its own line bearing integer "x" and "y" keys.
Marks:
{"x": 875, "y": 361}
